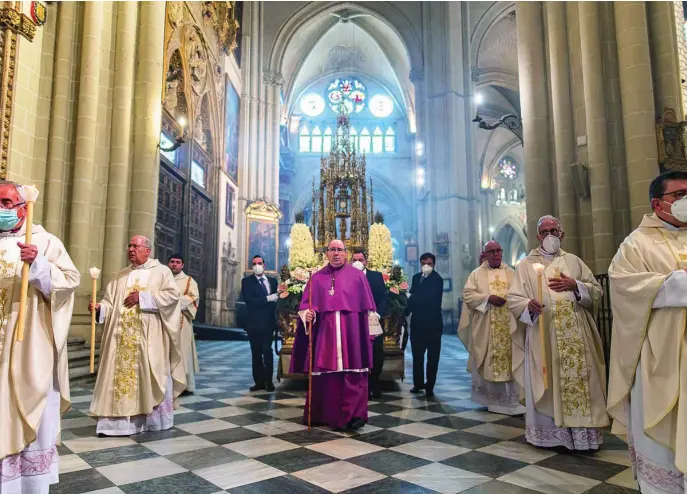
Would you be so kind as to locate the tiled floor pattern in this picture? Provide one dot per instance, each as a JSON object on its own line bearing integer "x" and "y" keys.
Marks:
{"x": 226, "y": 439}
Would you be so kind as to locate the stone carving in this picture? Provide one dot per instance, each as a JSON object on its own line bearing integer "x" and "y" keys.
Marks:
{"x": 222, "y": 16}
{"x": 342, "y": 57}
{"x": 172, "y": 82}
{"x": 199, "y": 132}
{"x": 197, "y": 61}
{"x": 671, "y": 141}
{"x": 175, "y": 13}
{"x": 273, "y": 79}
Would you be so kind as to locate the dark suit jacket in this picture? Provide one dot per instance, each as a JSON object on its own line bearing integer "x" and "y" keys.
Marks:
{"x": 261, "y": 315}
{"x": 379, "y": 292}
{"x": 424, "y": 303}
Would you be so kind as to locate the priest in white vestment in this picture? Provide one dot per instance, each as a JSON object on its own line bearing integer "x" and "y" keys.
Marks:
{"x": 188, "y": 289}
{"x": 485, "y": 329}
{"x": 34, "y": 373}
{"x": 572, "y": 411}
{"x": 141, "y": 371}
{"x": 647, "y": 392}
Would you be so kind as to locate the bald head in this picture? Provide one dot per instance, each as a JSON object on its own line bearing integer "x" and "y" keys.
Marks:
{"x": 138, "y": 250}
{"x": 336, "y": 253}
{"x": 493, "y": 254}
{"x": 549, "y": 225}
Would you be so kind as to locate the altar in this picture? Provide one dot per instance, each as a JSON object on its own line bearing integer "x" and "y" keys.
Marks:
{"x": 343, "y": 208}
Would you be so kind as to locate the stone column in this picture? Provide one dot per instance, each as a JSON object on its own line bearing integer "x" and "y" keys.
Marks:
{"x": 254, "y": 105}
{"x": 276, "y": 139}
{"x": 665, "y": 59}
{"x": 118, "y": 183}
{"x": 86, "y": 134}
{"x": 637, "y": 93}
{"x": 55, "y": 187}
{"x": 147, "y": 119}
{"x": 563, "y": 128}
{"x": 535, "y": 114}
{"x": 599, "y": 169}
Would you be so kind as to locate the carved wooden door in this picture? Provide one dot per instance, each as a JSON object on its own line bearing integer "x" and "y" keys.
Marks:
{"x": 170, "y": 202}
{"x": 199, "y": 251}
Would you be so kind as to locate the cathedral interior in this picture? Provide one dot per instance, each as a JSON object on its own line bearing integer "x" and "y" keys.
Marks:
{"x": 203, "y": 126}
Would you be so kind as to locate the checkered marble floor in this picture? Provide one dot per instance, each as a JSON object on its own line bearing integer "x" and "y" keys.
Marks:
{"x": 226, "y": 439}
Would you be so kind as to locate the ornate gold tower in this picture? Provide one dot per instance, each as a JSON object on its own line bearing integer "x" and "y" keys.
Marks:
{"x": 342, "y": 193}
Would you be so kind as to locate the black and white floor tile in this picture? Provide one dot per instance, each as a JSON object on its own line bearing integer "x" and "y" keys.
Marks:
{"x": 227, "y": 439}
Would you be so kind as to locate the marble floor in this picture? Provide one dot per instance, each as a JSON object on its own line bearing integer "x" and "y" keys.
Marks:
{"x": 226, "y": 439}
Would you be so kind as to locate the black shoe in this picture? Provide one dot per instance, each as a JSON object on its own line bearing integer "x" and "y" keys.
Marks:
{"x": 269, "y": 387}
{"x": 257, "y": 387}
{"x": 429, "y": 393}
{"x": 376, "y": 394}
{"x": 416, "y": 390}
{"x": 355, "y": 424}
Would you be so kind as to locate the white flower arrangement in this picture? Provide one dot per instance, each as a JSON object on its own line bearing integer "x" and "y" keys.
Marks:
{"x": 301, "y": 253}
{"x": 380, "y": 248}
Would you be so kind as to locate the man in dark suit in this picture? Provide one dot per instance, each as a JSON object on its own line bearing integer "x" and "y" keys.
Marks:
{"x": 426, "y": 322}
{"x": 259, "y": 293}
{"x": 380, "y": 295}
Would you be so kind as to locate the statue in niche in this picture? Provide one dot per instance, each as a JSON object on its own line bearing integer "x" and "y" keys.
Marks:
{"x": 522, "y": 193}
{"x": 172, "y": 82}
{"x": 199, "y": 132}
{"x": 197, "y": 61}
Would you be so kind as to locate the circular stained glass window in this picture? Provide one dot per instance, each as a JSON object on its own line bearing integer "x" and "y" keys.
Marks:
{"x": 508, "y": 169}
{"x": 381, "y": 105}
{"x": 349, "y": 92}
{"x": 312, "y": 104}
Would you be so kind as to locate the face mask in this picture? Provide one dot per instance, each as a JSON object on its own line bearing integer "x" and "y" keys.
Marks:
{"x": 426, "y": 269}
{"x": 678, "y": 210}
{"x": 359, "y": 265}
{"x": 551, "y": 244}
{"x": 258, "y": 269}
{"x": 8, "y": 219}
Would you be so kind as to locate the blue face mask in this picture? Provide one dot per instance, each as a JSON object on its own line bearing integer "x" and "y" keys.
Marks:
{"x": 8, "y": 219}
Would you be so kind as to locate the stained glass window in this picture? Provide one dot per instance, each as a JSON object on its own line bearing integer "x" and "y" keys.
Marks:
{"x": 304, "y": 140}
{"x": 316, "y": 140}
{"x": 390, "y": 140}
{"x": 508, "y": 169}
{"x": 349, "y": 92}
{"x": 312, "y": 104}
{"x": 381, "y": 105}
{"x": 327, "y": 142}
{"x": 365, "y": 141}
{"x": 377, "y": 141}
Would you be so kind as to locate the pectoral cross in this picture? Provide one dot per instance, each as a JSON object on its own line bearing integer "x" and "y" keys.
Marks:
{"x": 331, "y": 291}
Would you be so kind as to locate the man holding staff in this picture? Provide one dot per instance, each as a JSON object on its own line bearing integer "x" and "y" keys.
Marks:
{"x": 566, "y": 406}
{"x": 141, "y": 371}
{"x": 34, "y": 375}
{"x": 343, "y": 325}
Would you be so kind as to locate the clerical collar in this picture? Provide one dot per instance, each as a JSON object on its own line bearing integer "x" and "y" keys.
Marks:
{"x": 179, "y": 275}
{"x": 670, "y": 227}
{"x": 145, "y": 265}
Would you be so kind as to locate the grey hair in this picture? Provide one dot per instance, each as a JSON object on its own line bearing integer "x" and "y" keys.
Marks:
{"x": 18, "y": 187}
{"x": 146, "y": 243}
{"x": 547, "y": 217}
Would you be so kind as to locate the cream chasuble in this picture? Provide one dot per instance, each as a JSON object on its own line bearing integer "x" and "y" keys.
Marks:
{"x": 649, "y": 322}
{"x": 577, "y": 377}
{"x": 485, "y": 330}
{"x": 188, "y": 288}
{"x": 140, "y": 345}
{"x": 31, "y": 369}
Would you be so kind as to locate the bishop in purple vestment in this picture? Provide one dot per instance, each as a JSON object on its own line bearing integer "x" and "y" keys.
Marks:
{"x": 342, "y": 346}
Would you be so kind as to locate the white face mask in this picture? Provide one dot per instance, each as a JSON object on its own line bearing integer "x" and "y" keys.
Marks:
{"x": 551, "y": 244}
{"x": 359, "y": 265}
{"x": 678, "y": 210}
{"x": 426, "y": 269}
{"x": 258, "y": 269}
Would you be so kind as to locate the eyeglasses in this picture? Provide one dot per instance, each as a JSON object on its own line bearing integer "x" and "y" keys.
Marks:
{"x": 677, "y": 194}
{"x": 554, "y": 231}
{"x": 134, "y": 246}
{"x": 7, "y": 204}
{"x": 335, "y": 249}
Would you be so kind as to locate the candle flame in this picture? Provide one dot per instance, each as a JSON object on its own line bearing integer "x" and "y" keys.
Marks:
{"x": 95, "y": 273}
{"x": 538, "y": 268}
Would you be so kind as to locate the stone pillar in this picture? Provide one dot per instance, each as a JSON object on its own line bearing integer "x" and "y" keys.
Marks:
{"x": 55, "y": 187}
{"x": 86, "y": 134}
{"x": 268, "y": 142}
{"x": 276, "y": 139}
{"x": 119, "y": 176}
{"x": 637, "y": 93}
{"x": 665, "y": 59}
{"x": 254, "y": 104}
{"x": 599, "y": 169}
{"x": 535, "y": 114}
{"x": 563, "y": 128}
{"x": 147, "y": 119}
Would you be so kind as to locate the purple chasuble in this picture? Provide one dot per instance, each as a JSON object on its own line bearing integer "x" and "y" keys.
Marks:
{"x": 338, "y": 395}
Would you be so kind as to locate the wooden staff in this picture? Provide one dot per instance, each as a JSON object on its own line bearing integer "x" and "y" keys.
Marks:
{"x": 539, "y": 269}
{"x": 310, "y": 353}
{"x": 30, "y": 195}
{"x": 95, "y": 274}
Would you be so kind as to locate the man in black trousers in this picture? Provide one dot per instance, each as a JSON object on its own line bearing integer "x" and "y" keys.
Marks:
{"x": 380, "y": 296}
{"x": 259, "y": 292}
{"x": 424, "y": 306}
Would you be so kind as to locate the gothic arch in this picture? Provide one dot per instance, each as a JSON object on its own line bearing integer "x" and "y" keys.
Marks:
{"x": 510, "y": 233}
{"x": 495, "y": 12}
